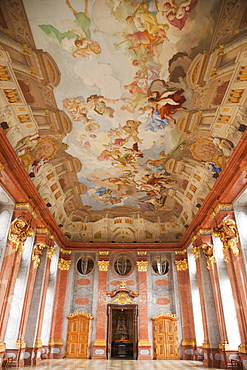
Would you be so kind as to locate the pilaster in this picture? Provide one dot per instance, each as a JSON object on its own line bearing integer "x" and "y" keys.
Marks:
{"x": 99, "y": 346}
{"x": 144, "y": 346}
{"x": 56, "y": 342}
{"x": 188, "y": 331}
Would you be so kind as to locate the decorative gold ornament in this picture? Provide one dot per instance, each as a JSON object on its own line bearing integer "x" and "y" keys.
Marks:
{"x": 242, "y": 348}
{"x": 83, "y": 313}
{"x": 18, "y": 233}
{"x": 228, "y": 234}
{"x": 214, "y": 72}
{"x": 103, "y": 253}
{"x": 65, "y": 251}
{"x": 99, "y": 343}
{"x": 224, "y": 344}
{"x": 1, "y": 167}
{"x": 206, "y": 344}
{"x": 144, "y": 343}
{"x": 64, "y": 264}
{"x": 208, "y": 251}
{"x": 141, "y": 253}
{"x": 2, "y": 346}
{"x": 58, "y": 342}
{"x": 181, "y": 252}
{"x": 221, "y": 50}
{"x": 25, "y": 50}
{"x": 43, "y": 231}
{"x": 103, "y": 265}
{"x": 122, "y": 283}
{"x": 195, "y": 252}
{"x": 182, "y": 265}
{"x": 20, "y": 343}
{"x": 142, "y": 266}
{"x": 51, "y": 251}
{"x": 37, "y": 251}
{"x": 122, "y": 298}
{"x": 202, "y": 232}
{"x": 189, "y": 342}
{"x": 221, "y": 207}
{"x": 27, "y": 207}
{"x": 161, "y": 314}
{"x": 38, "y": 343}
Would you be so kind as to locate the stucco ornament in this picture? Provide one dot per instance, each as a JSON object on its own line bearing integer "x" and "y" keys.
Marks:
{"x": 208, "y": 252}
{"x": 18, "y": 233}
{"x": 228, "y": 234}
{"x": 37, "y": 251}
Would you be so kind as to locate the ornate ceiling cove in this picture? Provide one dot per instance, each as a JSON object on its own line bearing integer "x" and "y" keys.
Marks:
{"x": 130, "y": 111}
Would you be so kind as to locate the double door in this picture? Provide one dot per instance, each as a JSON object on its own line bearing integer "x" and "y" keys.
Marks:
{"x": 165, "y": 338}
{"x": 78, "y": 336}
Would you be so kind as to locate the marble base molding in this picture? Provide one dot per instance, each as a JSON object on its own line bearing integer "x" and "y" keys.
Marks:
{"x": 99, "y": 350}
{"x": 144, "y": 350}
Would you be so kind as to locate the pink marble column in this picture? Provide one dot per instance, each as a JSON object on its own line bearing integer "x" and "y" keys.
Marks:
{"x": 99, "y": 346}
{"x": 144, "y": 346}
{"x": 187, "y": 320}
{"x": 56, "y": 342}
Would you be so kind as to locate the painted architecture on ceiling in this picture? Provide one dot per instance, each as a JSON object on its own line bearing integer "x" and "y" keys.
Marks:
{"x": 123, "y": 175}
{"x": 141, "y": 104}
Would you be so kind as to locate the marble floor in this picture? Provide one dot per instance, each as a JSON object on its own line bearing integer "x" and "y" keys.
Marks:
{"x": 77, "y": 364}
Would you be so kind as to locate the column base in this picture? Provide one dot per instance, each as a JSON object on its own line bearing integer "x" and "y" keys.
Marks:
{"x": 55, "y": 349}
{"x": 212, "y": 357}
{"x": 99, "y": 350}
{"x": 144, "y": 350}
{"x": 32, "y": 355}
{"x": 189, "y": 350}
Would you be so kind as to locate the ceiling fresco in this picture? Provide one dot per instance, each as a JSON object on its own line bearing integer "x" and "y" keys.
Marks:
{"x": 126, "y": 86}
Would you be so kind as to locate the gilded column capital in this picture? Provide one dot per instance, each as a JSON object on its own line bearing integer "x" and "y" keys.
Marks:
{"x": 142, "y": 265}
{"x": 19, "y": 230}
{"x": 103, "y": 253}
{"x": 182, "y": 265}
{"x": 228, "y": 234}
{"x": 64, "y": 264}
{"x": 103, "y": 265}
{"x": 37, "y": 251}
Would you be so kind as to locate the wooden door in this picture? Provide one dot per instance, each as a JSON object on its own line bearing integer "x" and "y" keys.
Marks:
{"x": 165, "y": 338}
{"x": 78, "y": 336}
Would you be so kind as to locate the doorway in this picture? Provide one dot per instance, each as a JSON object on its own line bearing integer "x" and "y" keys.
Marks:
{"x": 122, "y": 332}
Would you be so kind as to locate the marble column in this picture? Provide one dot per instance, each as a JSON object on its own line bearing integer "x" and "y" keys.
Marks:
{"x": 187, "y": 321}
{"x": 32, "y": 355}
{"x": 56, "y": 344}
{"x": 208, "y": 251}
{"x": 209, "y": 318}
{"x": 99, "y": 346}
{"x": 19, "y": 231}
{"x": 233, "y": 256}
{"x": 144, "y": 346}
